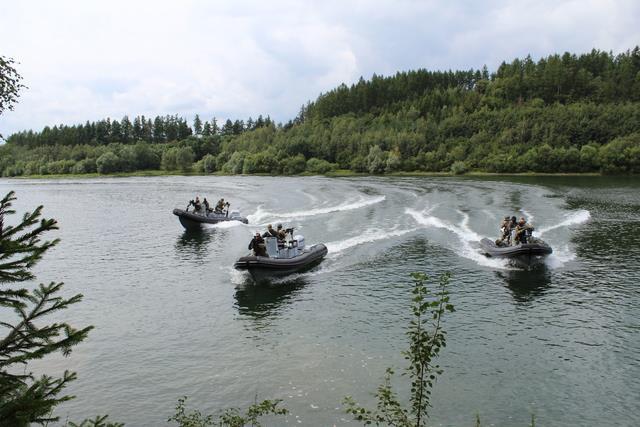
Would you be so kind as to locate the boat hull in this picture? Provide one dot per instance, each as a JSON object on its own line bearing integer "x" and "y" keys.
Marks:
{"x": 265, "y": 268}
{"x": 191, "y": 220}
{"x": 525, "y": 252}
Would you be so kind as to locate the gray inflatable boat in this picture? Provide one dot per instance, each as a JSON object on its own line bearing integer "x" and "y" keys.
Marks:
{"x": 534, "y": 248}
{"x": 195, "y": 219}
{"x": 283, "y": 258}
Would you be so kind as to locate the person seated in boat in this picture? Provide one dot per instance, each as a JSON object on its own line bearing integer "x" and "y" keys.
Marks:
{"x": 271, "y": 232}
{"x": 258, "y": 245}
{"x": 221, "y": 205}
{"x": 205, "y": 202}
{"x": 522, "y": 231}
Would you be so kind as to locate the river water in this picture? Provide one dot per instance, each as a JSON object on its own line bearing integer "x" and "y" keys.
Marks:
{"x": 173, "y": 318}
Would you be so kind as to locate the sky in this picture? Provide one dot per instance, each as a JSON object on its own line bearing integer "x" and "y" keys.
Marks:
{"x": 88, "y": 60}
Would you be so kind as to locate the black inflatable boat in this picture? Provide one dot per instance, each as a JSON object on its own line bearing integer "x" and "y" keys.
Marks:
{"x": 282, "y": 258}
{"x": 535, "y": 248}
{"x": 194, "y": 219}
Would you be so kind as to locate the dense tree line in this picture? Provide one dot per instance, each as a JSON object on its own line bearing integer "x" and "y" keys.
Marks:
{"x": 564, "y": 113}
{"x": 157, "y": 131}
{"x": 596, "y": 76}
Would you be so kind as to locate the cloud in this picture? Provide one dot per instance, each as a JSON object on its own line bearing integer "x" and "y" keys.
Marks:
{"x": 89, "y": 60}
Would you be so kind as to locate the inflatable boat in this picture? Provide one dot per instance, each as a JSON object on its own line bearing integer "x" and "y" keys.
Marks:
{"x": 534, "y": 248}
{"x": 194, "y": 219}
{"x": 282, "y": 258}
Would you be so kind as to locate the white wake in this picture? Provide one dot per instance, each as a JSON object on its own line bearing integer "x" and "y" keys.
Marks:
{"x": 574, "y": 218}
{"x": 465, "y": 236}
{"x": 369, "y": 236}
{"x": 260, "y": 215}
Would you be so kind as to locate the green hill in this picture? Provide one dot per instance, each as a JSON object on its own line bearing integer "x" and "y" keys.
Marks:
{"x": 563, "y": 113}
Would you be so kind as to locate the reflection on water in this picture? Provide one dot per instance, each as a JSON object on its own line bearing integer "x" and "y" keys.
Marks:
{"x": 527, "y": 284}
{"x": 196, "y": 243}
{"x": 267, "y": 299}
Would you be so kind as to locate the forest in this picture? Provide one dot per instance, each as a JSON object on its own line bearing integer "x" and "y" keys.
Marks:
{"x": 561, "y": 114}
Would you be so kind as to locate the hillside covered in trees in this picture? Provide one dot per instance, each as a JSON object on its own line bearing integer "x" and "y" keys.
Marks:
{"x": 563, "y": 113}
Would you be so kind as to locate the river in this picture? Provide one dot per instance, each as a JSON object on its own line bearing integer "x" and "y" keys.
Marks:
{"x": 173, "y": 318}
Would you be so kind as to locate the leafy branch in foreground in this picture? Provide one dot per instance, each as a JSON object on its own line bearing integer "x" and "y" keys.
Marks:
{"x": 23, "y": 398}
{"x": 426, "y": 339}
{"x": 98, "y": 421}
{"x": 231, "y": 417}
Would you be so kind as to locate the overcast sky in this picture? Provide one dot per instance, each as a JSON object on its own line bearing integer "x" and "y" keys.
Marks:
{"x": 87, "y": 60}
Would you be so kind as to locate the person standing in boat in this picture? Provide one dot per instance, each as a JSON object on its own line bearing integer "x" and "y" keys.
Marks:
{"x": 271, "y": 232}
{"x": 197, "y": 205}
{"x": 258, "y": 245}
{"x": 523, "y": 231}
{"x": 205, "y": 202}
{"x": 282, "y": 234}
{"x": 505, "y": 232}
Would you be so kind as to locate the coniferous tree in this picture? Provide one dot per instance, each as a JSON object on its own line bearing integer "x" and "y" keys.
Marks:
{"x": 25, "y": 399}
{"x": 127, "y": 129}
{"x": 158, "y": 130}
{"x": 215, "y": 130}
{"x": 197, "y": 125}
{"x": 137, "y": 128}
{"x": 206, "y": 129}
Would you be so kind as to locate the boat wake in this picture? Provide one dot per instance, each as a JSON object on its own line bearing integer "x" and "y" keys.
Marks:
{"x": 466, "y": 237}
{"x": 261, "y": 215}
{"x": 370, "y": 235}
{"x": 574, "y": 218}
{"x": 227, "y": 224}
{"x": 560, "y": 257}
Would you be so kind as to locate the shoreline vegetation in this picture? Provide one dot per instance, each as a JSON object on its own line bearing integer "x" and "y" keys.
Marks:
{"x": 344, "y": 173}
{"x": 562, "y": 114}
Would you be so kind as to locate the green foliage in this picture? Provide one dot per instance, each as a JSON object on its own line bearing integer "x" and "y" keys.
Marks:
{"x": 235, "y": 163}
{"x": 9, "y": 84}
{"x": 459, "y": 167}
{"x": 207, "y": 164}
{"x": 376, "y": 160}
{"x": 98, "y": 421}
{"x": 426, "y": 339}
{"x": 232, "y": 417}
{"x": 184, "y": 158}
{"x": 293, "y": 165}
{"x": 108, "y": 163}
{"x": 563, "y": 113}
{"x": 170, "y": 159}
{"x": 25, "y": 399}
{"x": 319, "y": 166}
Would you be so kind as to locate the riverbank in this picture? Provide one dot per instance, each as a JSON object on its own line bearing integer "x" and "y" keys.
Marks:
{"x": 340, "y": 173}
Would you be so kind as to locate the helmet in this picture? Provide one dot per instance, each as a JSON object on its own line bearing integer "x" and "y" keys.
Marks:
{"x": 279, "y": 225}
{"x": 513, "y": 218}
{"x": 269, "y": 226}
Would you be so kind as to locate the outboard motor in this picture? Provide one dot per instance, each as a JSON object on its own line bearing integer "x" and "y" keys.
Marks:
{"x": 300, "y": 239}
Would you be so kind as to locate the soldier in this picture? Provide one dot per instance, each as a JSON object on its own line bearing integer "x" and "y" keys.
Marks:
{"x": 523, "y": 231}
{"x": 282, "y": 234}
{"x": 271, "y": 232}
{"x": 221, "y": 205}
{"x": 258, "y": 246}
{"x": 505, "y": 232}
{"x": 196, "y": 205}
{"x": 205, "y": 202}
